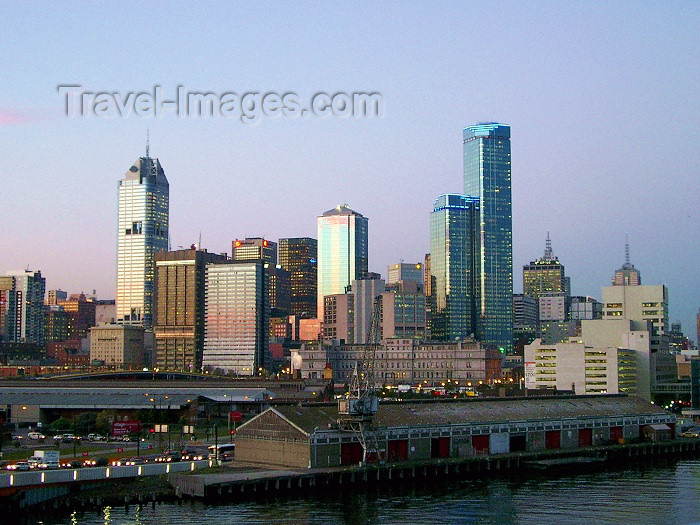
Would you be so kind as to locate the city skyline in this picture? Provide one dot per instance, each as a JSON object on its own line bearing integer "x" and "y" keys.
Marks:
{"x": 587, "y": 105}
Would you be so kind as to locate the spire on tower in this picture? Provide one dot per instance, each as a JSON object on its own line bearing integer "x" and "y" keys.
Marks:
{"x": 627, "y": 249}
{"x": 148, "y": 142}
{"x": 548, "y": 248}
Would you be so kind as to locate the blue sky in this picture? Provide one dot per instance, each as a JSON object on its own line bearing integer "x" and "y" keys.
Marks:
{"x": 601, "y": 96}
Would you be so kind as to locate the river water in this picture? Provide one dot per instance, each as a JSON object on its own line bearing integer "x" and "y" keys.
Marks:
{"x": 668, "y": 494}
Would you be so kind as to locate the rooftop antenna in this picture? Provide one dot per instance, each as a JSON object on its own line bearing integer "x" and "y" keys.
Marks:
{"x": 199, "y": 244}
{"x": 627, "y": 248}
{"x": 548, "y": 248}
{"x": 148, "y": 142}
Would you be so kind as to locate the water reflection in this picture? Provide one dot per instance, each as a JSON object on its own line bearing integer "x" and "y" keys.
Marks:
{"x": 660, "y": 495}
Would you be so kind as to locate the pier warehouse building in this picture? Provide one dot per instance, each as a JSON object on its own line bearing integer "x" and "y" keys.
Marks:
{"x": 295, "y": 436}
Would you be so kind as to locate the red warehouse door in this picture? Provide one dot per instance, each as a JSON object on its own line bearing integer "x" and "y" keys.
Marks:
{"x": 480, "y": 444}
{"x": 615, "y": 434}
{"x": 552, "y": 439}
{"x": 440, "y": 447}
{"x": 350, "y": 453}
{"x": 585, "y": 437}
{"x": 397, "y": 450}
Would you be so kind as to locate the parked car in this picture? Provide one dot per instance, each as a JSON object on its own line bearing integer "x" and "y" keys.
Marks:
{"x": 691, "y": 433}
{"x": 95, "y": 437}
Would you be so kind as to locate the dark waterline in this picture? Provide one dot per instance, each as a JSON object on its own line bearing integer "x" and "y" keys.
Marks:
{"x": 667, "y": 494}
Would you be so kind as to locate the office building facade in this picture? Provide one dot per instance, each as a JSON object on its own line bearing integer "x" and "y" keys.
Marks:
{"x": 179, "y": 322}
{"x": 487, "y": 176}
{"x": 342, "y": 251}
{"x": 298, "y": 255}
{"x": 22, "y": 307}
{"x": 236, "y": 318}
{"x": 453, "y": 254}
{"x": 254, "y": 248}
{"x": 405, "y": 272}
{"x": 142, "y": 232}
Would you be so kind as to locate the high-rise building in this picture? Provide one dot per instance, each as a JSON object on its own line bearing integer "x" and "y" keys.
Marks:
{"x": 254, "y": 248}
{"x": 584, "y": 308}
{"x": 142, "y": 231}
{"x": 647, "y": 304}
{"x": 53, "y": 296}
{"x": 545, "y": 275}
{"x": 366, "y": 292}
{"x": 298, "y": 255}
{"x": 7, "y": 300}
{"x": 278, "y": 279}
{"x": 405, "y": 272}
{"x": 452, "y": 258}
{"x": 81, "y": 315}
{"x": 627, "y": 275}
{"x": 487, "y": 176}
{"x": 339, "y": 317}
{"x": 24, "y": 317}
{"x": 179, "y": 321}
{"x": 403, "y": 311}
{"x": 342, "y": 251}
{"x": 236, "y": 317}
{"x": 56, "y": 323}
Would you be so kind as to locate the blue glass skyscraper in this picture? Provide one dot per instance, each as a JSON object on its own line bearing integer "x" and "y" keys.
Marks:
{"x": 487, "y": 177}
{"x": 452, "y": 257}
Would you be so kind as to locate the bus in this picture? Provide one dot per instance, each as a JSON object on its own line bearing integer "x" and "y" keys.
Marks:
{"x": 223, "y": 452}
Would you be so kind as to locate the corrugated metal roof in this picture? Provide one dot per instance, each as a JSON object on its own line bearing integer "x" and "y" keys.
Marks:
{"x": 494, "y": 411}
{"x": 132, "y": 398}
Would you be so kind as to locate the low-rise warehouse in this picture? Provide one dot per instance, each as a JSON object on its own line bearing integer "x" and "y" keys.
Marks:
{"x": 309, "y": 436}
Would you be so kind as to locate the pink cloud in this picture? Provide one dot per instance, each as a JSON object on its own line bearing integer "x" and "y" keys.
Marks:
{"x": 9, "y": 117}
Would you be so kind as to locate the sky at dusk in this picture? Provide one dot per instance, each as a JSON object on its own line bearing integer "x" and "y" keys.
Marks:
{"x": 602, "y": 100}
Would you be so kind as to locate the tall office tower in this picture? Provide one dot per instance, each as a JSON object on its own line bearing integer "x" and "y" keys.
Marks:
{"x": 178, "y": 325}
{"x": 53, "y": 296}
{"x": 279, "y": 285}
{"x": 487, "y": 172}
{"x": 254, "y": 248}
{"x": 453, "y": 253}
{"x": 7, "y": 288}
{"x": 25, "y": 307}
{"x": 627, "y": 275}
{"x": 81, "y": 316}
{"x": 56, "y": 323}
{"x": 525, "y": 311}
{"x": 403, "y": 311}
{"x": 342, "y": 251}
{"x": 545, "y": 275}
{"x": 236, "y": 317}
{"x": 365, "y": 292}
{"x": 298, "y": 256}
{"x": 280, "y": 291}
{"x": 405, "y": 272}
{"x": 143, "y": 231}
{"x": 339, "y": 317}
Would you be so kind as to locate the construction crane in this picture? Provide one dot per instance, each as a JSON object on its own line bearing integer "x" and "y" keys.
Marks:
{"x": 358, "y": 407}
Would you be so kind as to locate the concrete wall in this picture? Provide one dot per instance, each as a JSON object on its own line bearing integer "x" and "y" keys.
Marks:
{"x": 601, "y": 435}
{"x": 273, "y": 453}
{"x": 535, "y": 440}
{"x": 569, "y": 438}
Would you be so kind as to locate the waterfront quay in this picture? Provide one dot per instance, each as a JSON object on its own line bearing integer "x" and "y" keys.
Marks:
{"x": 243, "y": 485}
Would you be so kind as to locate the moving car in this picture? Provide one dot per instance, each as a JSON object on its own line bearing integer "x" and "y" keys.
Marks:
{"x": 20, "y": 465}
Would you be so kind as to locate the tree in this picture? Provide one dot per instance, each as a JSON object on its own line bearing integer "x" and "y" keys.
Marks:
{"x": 60, "y": 424}
{"x": 103, "y": 421}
